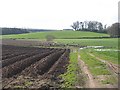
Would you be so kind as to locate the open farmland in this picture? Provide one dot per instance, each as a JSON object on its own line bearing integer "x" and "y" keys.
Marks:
{"x": 40, "y": 63}
{"x": 57, "y": 35}
{"x": 108, "y": 43}
{"x": 59, "y": 45}
{"x": 32, "y": 67}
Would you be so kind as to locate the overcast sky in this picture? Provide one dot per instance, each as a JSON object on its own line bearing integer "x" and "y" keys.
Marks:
{"x": 56, "y": 14}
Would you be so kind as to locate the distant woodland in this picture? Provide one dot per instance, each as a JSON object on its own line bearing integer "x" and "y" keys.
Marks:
{"x": 95, "y": 26}
{"x": 6, "y": 31}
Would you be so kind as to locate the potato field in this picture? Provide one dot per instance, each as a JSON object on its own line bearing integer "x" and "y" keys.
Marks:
{"x": 32, "y": 67}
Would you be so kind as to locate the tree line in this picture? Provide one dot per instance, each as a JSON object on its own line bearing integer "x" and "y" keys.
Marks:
{"x": 6, "y": 31}
{"x": 95, "y": 26}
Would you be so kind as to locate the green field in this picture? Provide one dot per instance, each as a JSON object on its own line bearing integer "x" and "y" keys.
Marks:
{"x": 110, "y": 43}
{"x": 70, "y": 37}
{"x": 111, "y": 56}
{"x": 57, "y": 35}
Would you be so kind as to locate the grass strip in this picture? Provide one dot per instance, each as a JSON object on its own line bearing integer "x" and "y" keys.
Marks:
{"x": 111, "y": 56}
{"x": 95, "y": 66}
{"x": 70, "y": 77}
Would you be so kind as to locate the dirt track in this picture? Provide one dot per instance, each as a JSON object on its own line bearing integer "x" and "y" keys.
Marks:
{"x": 91, "y": 83}
{"x": 95, "y": 81}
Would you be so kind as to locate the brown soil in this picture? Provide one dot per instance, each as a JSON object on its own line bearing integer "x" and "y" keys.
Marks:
{"x": 38, "y": 71}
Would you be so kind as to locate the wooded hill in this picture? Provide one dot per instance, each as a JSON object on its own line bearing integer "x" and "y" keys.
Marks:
{"x": 6, "y": 31}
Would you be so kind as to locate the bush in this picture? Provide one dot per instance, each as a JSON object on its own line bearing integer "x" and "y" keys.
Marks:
{"x": 114, "y": 30}
{"x": 49, "y": 37}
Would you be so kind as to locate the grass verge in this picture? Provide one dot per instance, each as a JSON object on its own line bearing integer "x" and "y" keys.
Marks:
{"x": 70, "y": 77}
{"x": 111, "y": 56}
{"x": 109, "y": 43}
{"x": 96, "y": 67}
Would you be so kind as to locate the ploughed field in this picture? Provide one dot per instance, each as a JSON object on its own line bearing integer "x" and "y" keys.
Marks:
{"x": 32, "y": 67}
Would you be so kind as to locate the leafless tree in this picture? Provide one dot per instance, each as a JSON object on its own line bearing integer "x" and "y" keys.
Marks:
{"x": 75, "y": 25}
{"x": 86, "y": 24}
{"x": 81, "y": 25}
{"x": 100, "y": 27}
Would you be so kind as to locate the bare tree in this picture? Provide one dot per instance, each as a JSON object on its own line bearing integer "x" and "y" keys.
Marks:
{"x": 86, "y": 24}
{"x": 90, "y": 26}
{"x": 100, "y": 27}
{"x": 75, "y": 25}
{"x": 94, "y": 26}
{"x": 105, "y": 27}
{"x": 81, "y": 25}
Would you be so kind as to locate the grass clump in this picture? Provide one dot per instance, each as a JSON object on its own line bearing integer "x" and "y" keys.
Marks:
{"x": 28, "y": 83}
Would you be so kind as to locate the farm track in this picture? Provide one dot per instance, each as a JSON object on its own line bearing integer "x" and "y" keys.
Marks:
{"x": 38, "y": 62}
{"x": 91, "y": 83}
